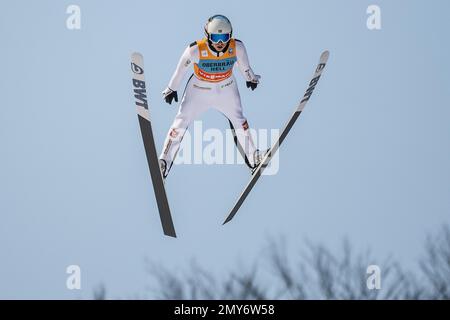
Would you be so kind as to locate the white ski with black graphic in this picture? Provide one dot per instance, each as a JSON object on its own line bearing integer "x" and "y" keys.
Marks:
{"x": 298, "y": 110}
{"x": 140, "y": 95}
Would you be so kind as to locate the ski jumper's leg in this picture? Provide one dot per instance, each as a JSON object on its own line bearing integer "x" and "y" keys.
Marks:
{"x": 228, "y": 102}
{"x": 193, "y": 103}
{"x": 238, "y": 145}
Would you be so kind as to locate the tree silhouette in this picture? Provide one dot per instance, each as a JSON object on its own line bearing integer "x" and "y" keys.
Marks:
{"x": 314, "y": 272}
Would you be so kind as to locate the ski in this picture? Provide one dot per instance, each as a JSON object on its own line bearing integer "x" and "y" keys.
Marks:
{"x": 264, "y": 163}
{"x": 142, "y": 108}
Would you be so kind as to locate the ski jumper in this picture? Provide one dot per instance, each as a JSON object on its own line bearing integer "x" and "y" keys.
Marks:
{"x": 211, "y": 86}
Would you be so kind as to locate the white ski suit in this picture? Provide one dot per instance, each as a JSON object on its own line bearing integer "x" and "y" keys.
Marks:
{"x": 211, "y": 86}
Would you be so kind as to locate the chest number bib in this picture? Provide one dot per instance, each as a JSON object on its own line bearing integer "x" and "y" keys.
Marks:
{"x": 212, "y": 68}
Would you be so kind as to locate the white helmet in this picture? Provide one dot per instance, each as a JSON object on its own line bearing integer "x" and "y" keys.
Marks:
{"x": 218, "y": 29}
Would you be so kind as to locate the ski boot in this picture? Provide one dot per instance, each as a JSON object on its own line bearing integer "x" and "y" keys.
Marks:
{"x": 258, "y": 156}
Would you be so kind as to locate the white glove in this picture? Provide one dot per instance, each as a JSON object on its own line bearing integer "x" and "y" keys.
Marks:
{"x": 169, "y": 95}
{"x": 251, "y": 76}
{"x": 252, "y": 79}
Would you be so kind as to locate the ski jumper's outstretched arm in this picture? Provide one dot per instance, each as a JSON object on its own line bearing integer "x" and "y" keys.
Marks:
{"x": 189, "y": 56}
{"x": 244, "y": 66}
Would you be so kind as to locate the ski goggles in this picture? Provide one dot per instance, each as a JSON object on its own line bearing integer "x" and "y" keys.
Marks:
{"x": 220, "y": 37}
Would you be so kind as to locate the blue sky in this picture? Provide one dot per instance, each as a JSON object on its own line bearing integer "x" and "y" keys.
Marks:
{"x": 369, "y": 158}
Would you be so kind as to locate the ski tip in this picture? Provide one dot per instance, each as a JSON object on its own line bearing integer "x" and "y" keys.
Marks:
{"x": 136, "y": 55}
{"x": 324, "y": 56}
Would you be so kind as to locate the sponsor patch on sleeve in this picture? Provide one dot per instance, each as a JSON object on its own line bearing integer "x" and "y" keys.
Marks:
{"x": 173, "y": 133}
